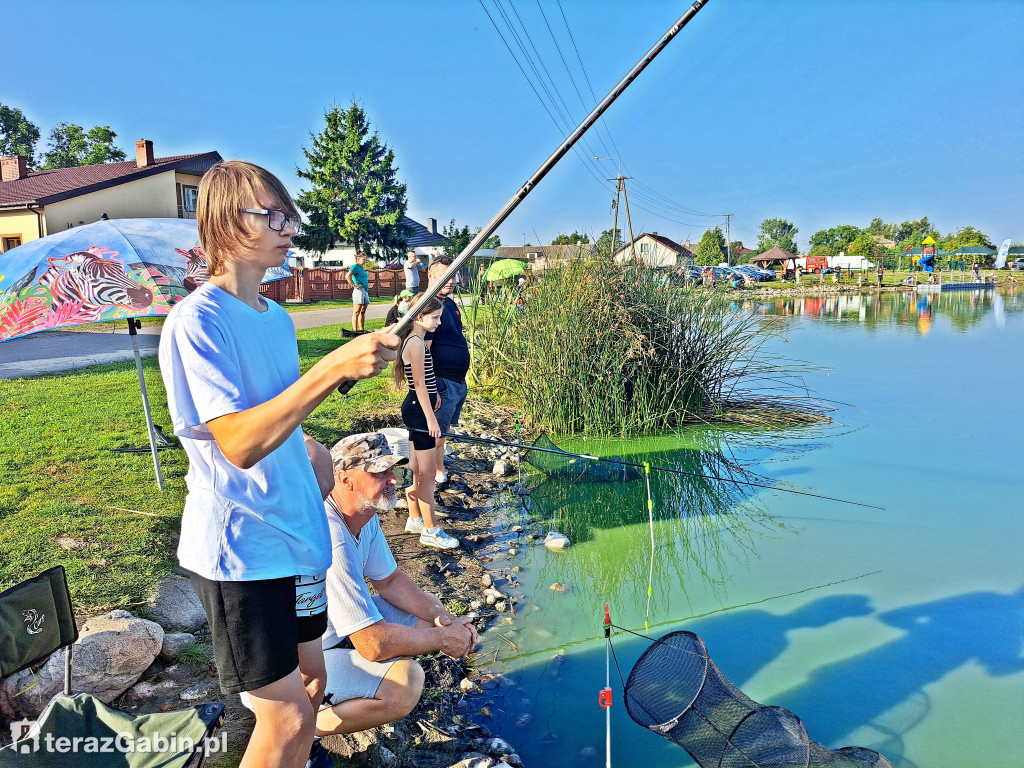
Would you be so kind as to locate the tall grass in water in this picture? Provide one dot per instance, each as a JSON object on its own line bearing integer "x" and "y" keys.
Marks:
{"x": 604, "y": 348}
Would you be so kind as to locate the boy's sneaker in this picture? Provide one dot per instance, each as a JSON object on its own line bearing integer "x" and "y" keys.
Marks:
{"x": 414, "y": 525}
{"x": 440, "y": 539}
{"x": 440, "y": 478}
{"x": 319, "y": 757}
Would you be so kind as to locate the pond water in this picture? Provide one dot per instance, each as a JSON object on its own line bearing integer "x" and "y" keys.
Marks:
{"x": 899, "y": 629}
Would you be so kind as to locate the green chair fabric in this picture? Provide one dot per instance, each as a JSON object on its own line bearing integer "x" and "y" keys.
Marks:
{"x": 35, "y": 620}
{"x": 80, "y": 731}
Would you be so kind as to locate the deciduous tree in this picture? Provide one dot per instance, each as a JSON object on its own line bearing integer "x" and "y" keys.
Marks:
{"x": 71, "y": 145}
{"x": 605, "y": 246}
{"x": 829, "y": 242}
{"x": 574, "y": 239}
{"x": 456, "y": 239}
{"x": 354, "y": 195}
{"x": 18, "y": 134}
{"x": 777, "y": 232}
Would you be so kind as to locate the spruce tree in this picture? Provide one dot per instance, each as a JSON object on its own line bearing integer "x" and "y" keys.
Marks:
{"x": 354, "y": 195}
{"x": 711, "y": 248}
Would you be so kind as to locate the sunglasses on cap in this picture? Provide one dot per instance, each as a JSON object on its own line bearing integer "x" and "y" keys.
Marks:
{"x": 446, "y": 260}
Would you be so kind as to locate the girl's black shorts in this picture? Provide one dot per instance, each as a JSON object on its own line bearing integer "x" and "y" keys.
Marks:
{"x": 415, "y": 420}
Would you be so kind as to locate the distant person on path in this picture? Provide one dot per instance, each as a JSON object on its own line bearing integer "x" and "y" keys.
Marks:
{"x": 253, "y": 535}
{"x": 451, "y": 359}
{"x": 977, "y": 272}
{"x": 799, "y": 274}
{"x": 398, "y": 309}
{"x": 424, "y": 398}
{"x": 412, "y": 272}
{"x": 374, "y": 681}
{"x": 360, "y": 282}
{"x": 836, "y": 274}
{"x": 880, "y": 272}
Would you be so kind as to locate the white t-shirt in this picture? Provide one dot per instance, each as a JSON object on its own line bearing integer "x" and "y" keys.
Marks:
{"x": 349, "y": 606}
{"x": 220, "y": 356}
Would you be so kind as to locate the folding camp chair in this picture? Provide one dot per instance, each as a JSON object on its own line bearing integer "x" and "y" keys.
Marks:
{"x": 76, "y": 730}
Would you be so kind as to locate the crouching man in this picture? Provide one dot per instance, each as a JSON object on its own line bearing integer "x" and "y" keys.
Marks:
{"x": 374, "y": 681}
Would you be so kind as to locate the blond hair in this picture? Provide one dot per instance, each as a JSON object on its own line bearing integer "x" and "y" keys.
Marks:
{"x": 224, "y": 191}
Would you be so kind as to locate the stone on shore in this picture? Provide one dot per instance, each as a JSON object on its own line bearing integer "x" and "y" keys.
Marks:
{"x": 174, "y": 644}
{"x": 556, "y": 541}
{"x": 109, "y": 657}
{"x": 175, "y": 607}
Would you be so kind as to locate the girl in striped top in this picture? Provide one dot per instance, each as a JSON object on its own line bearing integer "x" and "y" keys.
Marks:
{"x": 418, "y": 408}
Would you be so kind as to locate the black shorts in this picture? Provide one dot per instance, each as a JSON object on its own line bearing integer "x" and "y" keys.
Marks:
{"x": 416, "y": 422}
{"x": 257, "y": 627}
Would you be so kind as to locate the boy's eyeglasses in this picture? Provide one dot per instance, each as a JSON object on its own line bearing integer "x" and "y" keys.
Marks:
{"x": 277, "y": 220}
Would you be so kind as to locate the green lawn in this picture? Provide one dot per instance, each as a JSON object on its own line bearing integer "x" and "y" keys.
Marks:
{"x": 66, "y": 499}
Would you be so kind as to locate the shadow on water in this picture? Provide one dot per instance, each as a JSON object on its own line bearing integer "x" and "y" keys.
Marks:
{"x": 885, "y": 688}
{"x": 876, "y": 697}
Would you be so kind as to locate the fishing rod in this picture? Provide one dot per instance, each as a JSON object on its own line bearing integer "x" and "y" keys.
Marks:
{"x": 449, "y": 274}
{"x": 623, "y": 463}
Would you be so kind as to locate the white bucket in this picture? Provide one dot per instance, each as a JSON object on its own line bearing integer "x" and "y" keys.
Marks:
{"x": 398, "y": 439}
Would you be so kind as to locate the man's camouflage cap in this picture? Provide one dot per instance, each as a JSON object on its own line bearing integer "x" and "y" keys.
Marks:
{"x": 368, "y": 451}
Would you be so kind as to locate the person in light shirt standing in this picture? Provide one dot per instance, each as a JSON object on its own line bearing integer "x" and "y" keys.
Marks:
{"x": 253, "y": 535}
{"x": 412, "y": 272}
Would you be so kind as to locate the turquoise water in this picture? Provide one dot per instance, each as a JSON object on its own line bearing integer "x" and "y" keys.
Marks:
{"x": 900, "y": 629}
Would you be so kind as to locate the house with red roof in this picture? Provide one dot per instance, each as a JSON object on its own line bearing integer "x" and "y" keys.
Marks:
{"x": 39, "y": 203}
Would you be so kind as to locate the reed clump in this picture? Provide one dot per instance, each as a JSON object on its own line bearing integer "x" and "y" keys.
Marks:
{"x": 597, "y": 347}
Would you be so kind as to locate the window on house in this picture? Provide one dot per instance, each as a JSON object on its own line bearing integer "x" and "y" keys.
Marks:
{"x": 644, "y": 247}
{"x": 187, "y": 197}
{"x": 9, "y": 241}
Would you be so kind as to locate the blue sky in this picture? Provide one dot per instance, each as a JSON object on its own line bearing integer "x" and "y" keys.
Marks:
{"x": 823, "y": 112}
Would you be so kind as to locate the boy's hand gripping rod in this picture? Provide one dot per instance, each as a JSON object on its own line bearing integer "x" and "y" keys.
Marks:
{"x": 518, "y": 197}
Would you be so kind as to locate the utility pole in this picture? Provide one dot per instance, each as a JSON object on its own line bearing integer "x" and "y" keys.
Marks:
{"x": 728, "y": 238}
{"x": 620, "y": 189}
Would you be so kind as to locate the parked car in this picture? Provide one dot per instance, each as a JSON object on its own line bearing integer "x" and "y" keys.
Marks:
{"x": 1017, "y": 265}
{"x": 761, "y": 275}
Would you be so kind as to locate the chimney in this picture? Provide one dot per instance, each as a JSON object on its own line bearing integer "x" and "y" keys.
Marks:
{"x": 13, "y": 168}
{"x": 432, "y": 226}
{"x": 143, "y": 153}
{"x": 655, "y": 233}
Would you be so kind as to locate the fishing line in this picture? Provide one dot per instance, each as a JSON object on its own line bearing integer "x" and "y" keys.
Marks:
{"x": 669, "y": 622}
{"x": 621, "y": 463}
{"x": 650, "y": 517}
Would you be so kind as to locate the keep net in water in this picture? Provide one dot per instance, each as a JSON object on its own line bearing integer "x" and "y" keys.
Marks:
{"x": 677, "y": 691}
{"x": 573, "y": 468}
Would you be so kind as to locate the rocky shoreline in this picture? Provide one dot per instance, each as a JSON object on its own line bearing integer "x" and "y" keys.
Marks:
{"x": 168, "y": 643}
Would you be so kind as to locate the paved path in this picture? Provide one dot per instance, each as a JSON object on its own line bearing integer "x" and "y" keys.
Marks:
{"x": 55, "y": 351}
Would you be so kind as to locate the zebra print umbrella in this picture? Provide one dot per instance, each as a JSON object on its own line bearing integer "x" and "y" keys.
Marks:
{"x": 114, "y": 269}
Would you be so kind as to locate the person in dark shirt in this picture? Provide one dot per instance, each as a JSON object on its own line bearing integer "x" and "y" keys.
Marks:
{"x": 450, "y": 352}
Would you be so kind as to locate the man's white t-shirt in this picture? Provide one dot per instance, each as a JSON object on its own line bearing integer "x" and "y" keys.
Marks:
{"x": 349, "y": 605}
{"x": 219, "y": 356}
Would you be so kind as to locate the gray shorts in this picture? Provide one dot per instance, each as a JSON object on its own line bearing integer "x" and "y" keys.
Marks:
{"x": 452, "y": 400}
{"x": 360, "y": 295}
{"x": 349, "y": 675}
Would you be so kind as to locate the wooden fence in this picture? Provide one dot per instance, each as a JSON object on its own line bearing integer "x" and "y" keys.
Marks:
{"x": 332, "y": 284}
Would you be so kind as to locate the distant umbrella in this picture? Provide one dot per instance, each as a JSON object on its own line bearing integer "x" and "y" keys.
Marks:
{"x": 113, "y": 269}
{"x": 503, "y": 269}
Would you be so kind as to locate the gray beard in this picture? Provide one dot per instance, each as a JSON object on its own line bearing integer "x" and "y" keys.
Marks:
{"x": 385, "y": 502}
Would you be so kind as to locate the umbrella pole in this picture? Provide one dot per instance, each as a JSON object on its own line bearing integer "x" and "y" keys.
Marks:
{"x": 133, "y": 326}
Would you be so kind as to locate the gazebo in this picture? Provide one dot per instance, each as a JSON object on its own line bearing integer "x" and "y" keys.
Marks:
{"x": 786, "y": 259}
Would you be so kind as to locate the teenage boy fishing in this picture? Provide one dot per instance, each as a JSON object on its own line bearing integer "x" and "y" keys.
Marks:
{"x": 253, "y": 534}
